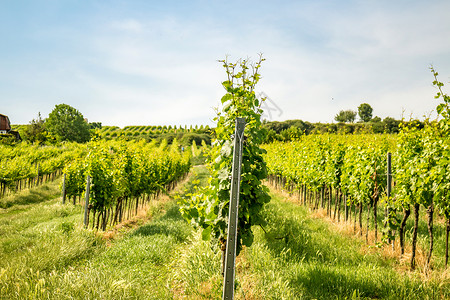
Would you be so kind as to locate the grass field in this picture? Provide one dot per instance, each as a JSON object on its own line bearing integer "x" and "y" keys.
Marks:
{"x": 45, "y": 253}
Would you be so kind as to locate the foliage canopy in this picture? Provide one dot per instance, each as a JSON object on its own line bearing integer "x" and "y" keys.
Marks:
{"x": 346, "y": 116}
{"x": 365, "y": 112}
{"x": 67, "y": 124}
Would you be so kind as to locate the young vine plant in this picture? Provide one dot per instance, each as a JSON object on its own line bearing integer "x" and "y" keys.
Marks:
{"x": 208, "y": 207}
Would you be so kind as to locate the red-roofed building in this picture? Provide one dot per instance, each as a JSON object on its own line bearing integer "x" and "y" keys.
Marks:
{"x": 5, "y": 127}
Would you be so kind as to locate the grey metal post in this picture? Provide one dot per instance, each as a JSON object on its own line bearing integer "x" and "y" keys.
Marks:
{"x": 64, "y": 189}
{"x": 86, "y": 204}
{"x": 230, "y": 253}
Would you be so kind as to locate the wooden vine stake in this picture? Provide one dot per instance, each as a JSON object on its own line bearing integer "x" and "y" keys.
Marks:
{"x": 86, "y": 204}
{"x": 64, "y": 190}
{"x": 230, "y": 253}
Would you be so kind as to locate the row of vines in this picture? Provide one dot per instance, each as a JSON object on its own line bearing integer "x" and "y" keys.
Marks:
{"x": 346, "y": 174}
{"x": 353, "y": 168}
{"x": 124, "y": 176}
{"x": 25, "y": 166}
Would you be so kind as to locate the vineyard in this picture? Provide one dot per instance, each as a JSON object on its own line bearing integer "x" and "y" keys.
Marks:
{"x": 341, "y": 216}
{"x": 184, "y": 134}
{"x": 24, "y": 166}
{"x": 48, "y": 253}
{"x": 293, "y": 254}
{"x": 123, "y": 177}
{"x": 348, "y": 174}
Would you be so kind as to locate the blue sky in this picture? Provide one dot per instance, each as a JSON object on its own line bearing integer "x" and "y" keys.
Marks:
{"x": 155, "y": 62}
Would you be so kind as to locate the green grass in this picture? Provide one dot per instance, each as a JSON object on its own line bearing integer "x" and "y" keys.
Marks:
{"x": 36, "y": 242}
{"x": 306, "y": 259}
{"x": 423, "y": 239}
{"x": 34, "y": 195}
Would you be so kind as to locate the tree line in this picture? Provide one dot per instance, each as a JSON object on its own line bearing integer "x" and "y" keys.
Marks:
{"x": 66, "y": 123}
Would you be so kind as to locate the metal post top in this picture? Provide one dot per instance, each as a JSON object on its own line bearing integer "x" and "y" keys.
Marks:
{"x": 240, "y": 126}
{"x": 240, "y": 120}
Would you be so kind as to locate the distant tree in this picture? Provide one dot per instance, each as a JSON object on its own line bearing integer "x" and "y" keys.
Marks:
{"x": 35, "y": 131}
{"x": 277, "y": 126}
{"x": 377, "y": 125}
{"x": 365, "y": 112}
{"x": 94, "y": 125}
{"x": 346, "y": 116}
{"x": 376, "y": 119}
{"x": 67, "y": 124}
{"x": 391, "y": 125}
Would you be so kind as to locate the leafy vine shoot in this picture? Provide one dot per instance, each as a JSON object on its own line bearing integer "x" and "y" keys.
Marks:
{"x": 208, "y": 207}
